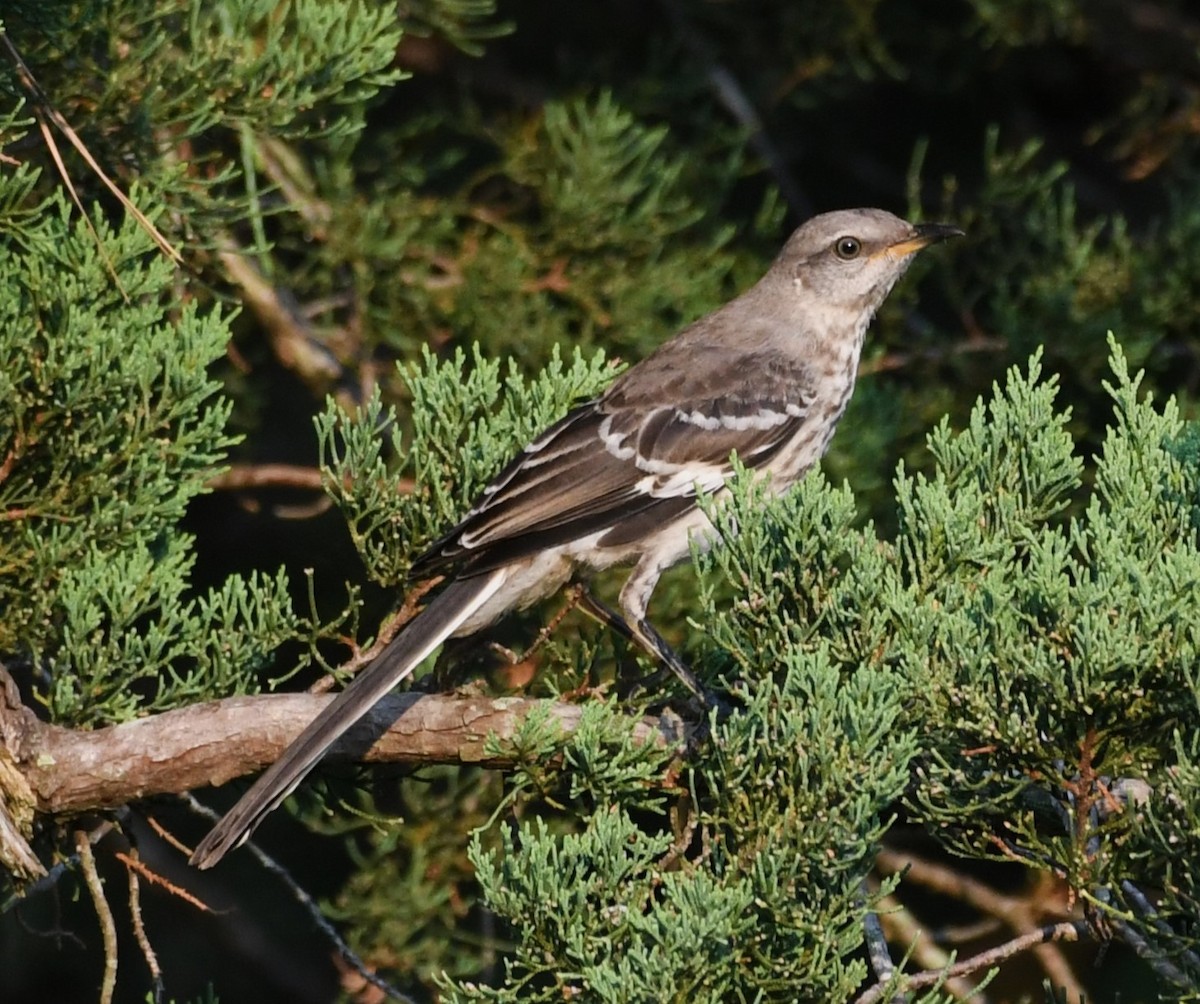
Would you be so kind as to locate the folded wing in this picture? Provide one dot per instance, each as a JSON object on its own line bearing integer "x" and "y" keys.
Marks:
{"x": 626, "y": 461}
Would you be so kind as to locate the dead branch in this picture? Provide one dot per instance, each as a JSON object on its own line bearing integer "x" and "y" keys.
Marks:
{"x": 291, "y": 336}
{"x": 1023, "y": 915}
{"x": 238, "y": 477}
{"x": 108, "y": 926}
{"x": 1065, "y": 931}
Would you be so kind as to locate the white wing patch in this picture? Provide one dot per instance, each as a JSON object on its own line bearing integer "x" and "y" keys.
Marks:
{"x": 614, "y": 441}
{"x": 683, "y": 481}
{"x": 764, "y": 418}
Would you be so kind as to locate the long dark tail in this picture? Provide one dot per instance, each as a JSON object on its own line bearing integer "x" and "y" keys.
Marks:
{"x": 437, "y": 622}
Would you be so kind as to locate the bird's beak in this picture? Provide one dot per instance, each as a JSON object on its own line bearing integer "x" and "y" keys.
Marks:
{"x": 923, "y": 235}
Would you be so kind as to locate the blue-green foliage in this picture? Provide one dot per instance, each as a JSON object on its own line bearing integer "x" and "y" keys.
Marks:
{"x": 110, "y": 425}
{"x": 1013, "y": 664}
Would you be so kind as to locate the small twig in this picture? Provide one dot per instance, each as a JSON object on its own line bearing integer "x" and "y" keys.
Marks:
{"x": 1021, "y": 915}
{"x": 1021, "y": 856}
{"x": 684, "y": 834}
{"x": 292, "y": 337}
{"x": 63, "y": 173}
{"x": 134, "y": 864}
{"x": 362, "y": 657}
{"x": 573, "y": 595}
{"x": 241, "y": 476}
{"x": 108, "y": 927}
{"x": 310, "y": 906}
{"x": 1066, "y": 931}
{"x": 901, "y": 928}
{"x": 167, "y": 836}
{"x": 43, "y": 104}
{"x": 139, "y": 928}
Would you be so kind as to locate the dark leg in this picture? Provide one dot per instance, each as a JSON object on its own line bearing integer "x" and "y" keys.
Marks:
{"x": 606, "y": 615}
{"x": 645, "y": 636}
{"x": 654, "y": 643}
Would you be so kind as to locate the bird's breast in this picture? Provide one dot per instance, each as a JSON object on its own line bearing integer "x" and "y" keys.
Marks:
{"x": 835, "y": 375}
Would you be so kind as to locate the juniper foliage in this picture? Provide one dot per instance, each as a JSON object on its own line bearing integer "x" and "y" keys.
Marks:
{"x": 1006, "y": 671}
{"x": 111, "y": 425}
{"x": 995, "y": 645}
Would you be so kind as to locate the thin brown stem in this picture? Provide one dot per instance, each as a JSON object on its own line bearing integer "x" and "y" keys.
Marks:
{"x": 139, "y": 928}
{"x": 108, "y": 927}
{"x": 1065, "y": 931}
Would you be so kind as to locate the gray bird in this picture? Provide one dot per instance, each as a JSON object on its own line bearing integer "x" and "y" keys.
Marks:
{"x": 767, "y": 376}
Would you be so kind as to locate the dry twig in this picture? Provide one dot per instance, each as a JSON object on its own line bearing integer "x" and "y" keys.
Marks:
{"x": 108, "y": 927}
{"x": 133, "y": 866}
{"x": 43, "y": 106}
{"x": 1022, "y": 915}
{"x": 1066, "y": 931}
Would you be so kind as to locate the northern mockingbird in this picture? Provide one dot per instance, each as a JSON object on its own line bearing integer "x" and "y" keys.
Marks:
{"x": 767, "y": 376}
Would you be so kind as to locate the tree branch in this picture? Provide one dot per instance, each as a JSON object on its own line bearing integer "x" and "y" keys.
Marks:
{"x": 71, "y": 771}
{"x": 1066, "y": 931}
{"x": 1022, "y": 915}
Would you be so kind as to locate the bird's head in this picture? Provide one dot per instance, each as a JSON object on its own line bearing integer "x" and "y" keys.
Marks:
{"x": 850, "y": 259}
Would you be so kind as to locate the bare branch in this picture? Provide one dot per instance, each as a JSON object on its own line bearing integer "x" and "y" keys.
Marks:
{"x": 897, "y": 925}
{"x": 291, "y": 336}
{"x": 1067, "y": 931}
{"x": 1021, "y": 914}
{"x": 133, "y": 865}
{"x": 241, "y": 476}
{"x": 71, "y": 771}
{"x": 311, "y": 907}
{"x": 108, "y": 926}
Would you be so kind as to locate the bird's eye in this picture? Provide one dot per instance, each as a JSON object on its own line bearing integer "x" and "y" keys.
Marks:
{"x": 847, "y": 248}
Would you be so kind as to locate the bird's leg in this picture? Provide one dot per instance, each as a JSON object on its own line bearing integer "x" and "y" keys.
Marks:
{"x": 645, "y": 636}
{"x": 605, "y": 614}
{"x": 654, "y": 643}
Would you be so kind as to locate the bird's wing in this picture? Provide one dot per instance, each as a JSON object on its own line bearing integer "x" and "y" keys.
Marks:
{"x": 630, "y": 453}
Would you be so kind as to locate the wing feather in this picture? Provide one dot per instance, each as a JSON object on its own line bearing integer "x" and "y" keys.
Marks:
{"x": 629, "y": 454}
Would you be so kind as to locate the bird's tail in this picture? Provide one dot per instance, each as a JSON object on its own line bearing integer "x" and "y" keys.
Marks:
{"x": 437, "y": 622}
